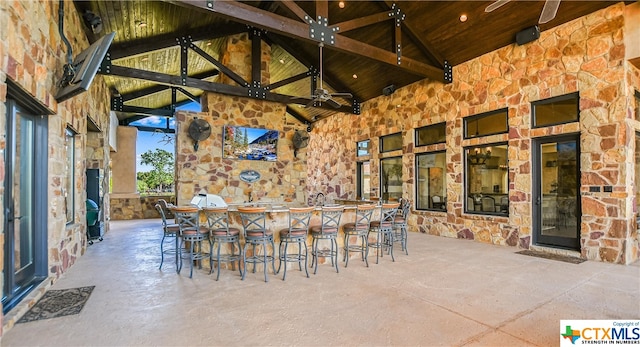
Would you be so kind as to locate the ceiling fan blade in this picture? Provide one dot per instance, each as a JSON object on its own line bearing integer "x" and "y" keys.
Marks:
{"x": 549, "y": 11}
{"x": 310, "y": 103}
{"x": 495, "y": 5}
{"x": 333, "y": 103}
{"x": 342, "y": 95}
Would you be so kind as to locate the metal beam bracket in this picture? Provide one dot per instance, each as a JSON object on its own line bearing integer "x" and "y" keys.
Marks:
{"x": 397, "y": 13}
{"x": 116, "y": 103}
{"x": 185, "y": 42}
{"x": 355, "y": 104}
{"x": 320, "y": 31}
{"x": 105, "y": 65}
{"x": 257, "y": 91}
{"x": 448, "y": 72}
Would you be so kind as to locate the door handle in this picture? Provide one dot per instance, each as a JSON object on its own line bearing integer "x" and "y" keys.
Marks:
{"x": 538, "y": 200}
{"x": 14, "y": 218}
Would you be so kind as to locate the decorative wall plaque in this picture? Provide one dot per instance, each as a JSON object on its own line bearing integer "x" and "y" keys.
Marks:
{"x": 249, "y": 176}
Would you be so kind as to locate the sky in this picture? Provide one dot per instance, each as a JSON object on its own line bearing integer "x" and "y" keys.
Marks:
{"x": 149, "y": 141}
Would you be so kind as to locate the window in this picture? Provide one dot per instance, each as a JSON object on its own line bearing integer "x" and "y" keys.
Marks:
{"x": 391, "y": 178}
{"x": 637, "y": 105}
{"x": 69, "y": 187}
{"x": 431, "y": 134}
{"x": 557, "y": 110}
{"x": 637, "y": 180}
{"x": 391, "y": 142}
{"x": 364, "y": 180}
{"x": 487, "y": 179}
{"x": 431, "y": 183}
{"x": 363, "y": 148}
{"x": 494, "y": 122}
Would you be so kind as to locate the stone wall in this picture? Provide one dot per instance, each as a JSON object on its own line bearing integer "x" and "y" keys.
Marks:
{"x": 585, "y": 56}
{"x": 32, "y": 54}
{"x": 137, "y": 207}
{"x": 205, "y": 171}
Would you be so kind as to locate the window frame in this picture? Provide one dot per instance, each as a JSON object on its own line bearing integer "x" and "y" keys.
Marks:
{"x": 467, "y": 189}
{"x": 417, "y": 130}
{"x": 381, "y": 185}
{"x": 637, "y": 97}
{"x": 70, "y": 203}
{"x": 574, "y": 95}
{"x": 478, "y": 117}
{"x": 416, "y": 185}
{"x": 382, "y": 138}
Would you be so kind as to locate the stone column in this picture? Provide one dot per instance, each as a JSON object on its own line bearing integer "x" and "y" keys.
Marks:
{"x": 123, "y": 163}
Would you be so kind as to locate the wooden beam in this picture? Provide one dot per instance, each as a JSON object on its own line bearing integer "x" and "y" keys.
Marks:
{"x": 211, "y": 86}
{"x": 362, "y": 21}
{"x": 132, "y": 48}
{"x": 225, "y": 70}
{"x": 322, "y": 9}
{"x": 297, "y": 10}
{"x": 286, "y": 81}
{"x": 291, "y": 28}
{"x": 295, "y": 114}
{"x": 158, "y": 88}
{"x": 147, "y": 111}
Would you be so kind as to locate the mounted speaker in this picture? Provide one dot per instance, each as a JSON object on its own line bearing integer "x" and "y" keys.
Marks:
{"x": 527, "y": 35}
{"x": 388, "y": 90}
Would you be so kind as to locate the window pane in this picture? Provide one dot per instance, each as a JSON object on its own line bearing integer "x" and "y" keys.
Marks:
{"x": 391, "y": 178}
{"x": 362, "y": 148}
{"x": 487, "y": 179}
{"x": 364, "y": 180}
{"x": 431, "y": 134}
{"x": 637, "y": 105}
{"x": 69, "y": 191}
{"x": 391, "y": 142}
{"x": 431, "y": 184}
{"x": 562, "y": 109}
{"x": 494, "y": 122}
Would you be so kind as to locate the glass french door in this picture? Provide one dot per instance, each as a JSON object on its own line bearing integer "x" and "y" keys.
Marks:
{"x": 557, "y": 192}
{"x": 22, "y": 251}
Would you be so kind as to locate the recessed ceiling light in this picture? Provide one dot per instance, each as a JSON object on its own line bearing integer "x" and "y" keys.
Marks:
{"x": 209, "y": 43}
{"x": 463, "y": 18}
{"x": 142, "y": 24}
{"x": 281, "y": 61}
{"x": 341, "y": 4}
{"x": 144, "y": 58}
{"x": 354, "y": 76}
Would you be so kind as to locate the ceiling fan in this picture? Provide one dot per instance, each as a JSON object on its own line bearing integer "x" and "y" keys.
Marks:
{"x": 548, "y": 11}
{"x": 321, "y": 95}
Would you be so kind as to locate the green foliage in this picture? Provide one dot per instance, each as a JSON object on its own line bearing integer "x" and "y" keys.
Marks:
{"x": 162, "y": 174}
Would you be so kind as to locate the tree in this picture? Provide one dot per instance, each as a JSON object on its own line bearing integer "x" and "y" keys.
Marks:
{"x": 162, "y": 174}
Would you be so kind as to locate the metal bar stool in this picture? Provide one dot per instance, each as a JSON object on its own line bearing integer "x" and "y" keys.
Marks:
{"x": 170, "y": 233}
{"x": 328, "y": 230}
{"x": 360, "y": 229}
{"x": 220, "y": 233}
{"x": 383, "y": 230}
{"x": 188, "y": 218}
{"x": 296, "y": 233}
{"x": 256, "y": 234}
{"x": 400, "y": 224}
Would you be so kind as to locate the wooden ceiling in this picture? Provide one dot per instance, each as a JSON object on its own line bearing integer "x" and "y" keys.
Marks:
{"x": 430, "y": 33}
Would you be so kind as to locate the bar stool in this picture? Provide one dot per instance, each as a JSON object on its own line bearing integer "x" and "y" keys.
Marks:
{"x": 400, "y": 224}
{"x": 359, "y": 229}
{"x": 220, "y": 233}
{"x": 256, "y": 234}
{"x": 299, "y": 219}
{"x": 188, "y": 218}
{"x": 327, "y": 230}
{"x": 170, "y": 233}
{"x": 383, "y": 230}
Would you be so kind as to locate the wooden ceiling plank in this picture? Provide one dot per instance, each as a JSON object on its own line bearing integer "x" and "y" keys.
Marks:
{"x": 362, "y": 21}
{"x": 285, "y": 26}
{"x": 141, "y": 46}
{"x": 297, "y": 10}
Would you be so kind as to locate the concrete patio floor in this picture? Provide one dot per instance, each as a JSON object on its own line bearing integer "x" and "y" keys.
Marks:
{"x": 446, "y": 292}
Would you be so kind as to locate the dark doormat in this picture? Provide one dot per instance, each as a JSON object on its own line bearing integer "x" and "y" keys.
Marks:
{"x": 564, "y": 258}
{"x": 58, "y": 303}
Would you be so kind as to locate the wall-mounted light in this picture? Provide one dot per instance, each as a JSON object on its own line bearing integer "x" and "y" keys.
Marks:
{"x": 341, "y": 4}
